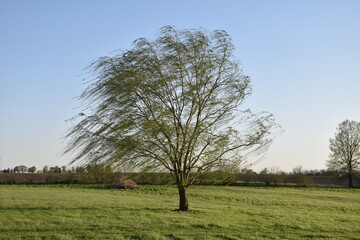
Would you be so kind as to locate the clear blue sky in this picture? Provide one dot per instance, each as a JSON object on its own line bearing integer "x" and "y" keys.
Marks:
{"x": 303, "y": 58}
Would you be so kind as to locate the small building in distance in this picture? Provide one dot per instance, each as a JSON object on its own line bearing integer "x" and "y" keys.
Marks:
{"x": 55, "y": 170}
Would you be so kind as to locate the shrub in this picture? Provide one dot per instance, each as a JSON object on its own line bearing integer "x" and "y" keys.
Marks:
{"x": 70, "y": 177}
{"x": 249, "y": 176}
{"x": 49, "y": 179}
{"x": 122, "y": 184}
{"x": 304, "y": 180}
{"x": 217, "y": 177}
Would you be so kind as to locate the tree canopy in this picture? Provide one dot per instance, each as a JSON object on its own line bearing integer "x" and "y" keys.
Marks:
{"x": 344, "y": 155}
{"x": 172, "y": 103}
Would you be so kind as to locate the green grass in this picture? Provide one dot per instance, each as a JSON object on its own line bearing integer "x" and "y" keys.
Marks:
{"x": 82, "y": 212}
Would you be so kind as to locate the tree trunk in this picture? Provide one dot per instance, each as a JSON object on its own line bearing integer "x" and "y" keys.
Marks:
{"x": 350, "y": 180}
{"x": 184, "y": 205}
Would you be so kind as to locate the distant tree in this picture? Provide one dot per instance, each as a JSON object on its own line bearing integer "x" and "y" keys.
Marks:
{"x": 32, "y": 169}
{"x": 344, "y": 157}
{"x": 20, "y": 169}
{"x": 311, "y": 172}
{"x": 23, "y": 168}
{"x": 265, "y": 176}
{"x": 249, "y": 175}
{"x": 45, "y": 169}
{"x": 297, "y": 170}
{"x": 264, "y": 171}
{"x": 325, "y": 172}
{"x": 277, "y": 176}
{"x": 55, "y": 169}
{"x": 174, "y": 104}
{"x": 273, "y": 176}
{"x": 16, "y": 169}
{"x": 63, "y": 169}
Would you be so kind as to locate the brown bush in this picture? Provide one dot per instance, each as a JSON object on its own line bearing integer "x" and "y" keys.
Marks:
{"x": 123, "y": 184}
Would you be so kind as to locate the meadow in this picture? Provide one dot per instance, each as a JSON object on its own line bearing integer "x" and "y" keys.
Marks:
{"x": 218, "y": 212}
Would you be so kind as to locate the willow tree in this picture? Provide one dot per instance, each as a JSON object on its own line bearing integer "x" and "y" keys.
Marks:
{"x": 344, "y": 157}
{"x": 170, "y": 104}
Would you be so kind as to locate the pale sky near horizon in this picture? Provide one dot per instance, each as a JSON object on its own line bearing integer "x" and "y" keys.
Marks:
{"x": 303, "y": 58}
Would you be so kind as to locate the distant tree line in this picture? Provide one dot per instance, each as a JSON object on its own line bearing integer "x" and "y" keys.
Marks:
{"x": 297, "y": 177}
{"x": 20, "y": 169}
{"x": 102, "y": 174}
{"x": 33, "y": 169}
{"x": 343, "y": 168}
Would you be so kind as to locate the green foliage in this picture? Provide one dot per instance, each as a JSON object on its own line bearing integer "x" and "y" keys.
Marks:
{"x": 152, "y": 178}
{"x": 304, "y": 180}
{"x": 80, "y": 170}
{"x": 219, "y": 212}
{"x": 278, "y": 178}
{"x": 32, "y": 169}
{"x": 20, "y": 169}
{"x": 172, "y": 103}
{"x": 55, "y": 169}
{"x": 10, "y": 181}
{"x": 70, "y": 177}
{"x": 208, "y": 178}
{"x": 216, "y": 178}
{"x": 249, "y": 175}
{"x": 98, "y": 173}
{"x": 273, "y": 176}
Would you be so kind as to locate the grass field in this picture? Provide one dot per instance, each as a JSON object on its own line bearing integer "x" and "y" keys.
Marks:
{"x": 83, "y": 212}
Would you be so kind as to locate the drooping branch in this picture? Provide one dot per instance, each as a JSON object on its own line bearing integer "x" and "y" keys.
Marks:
{"x": 173, "y": 102}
